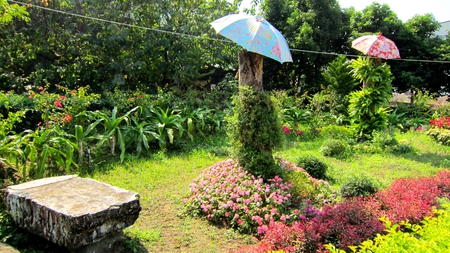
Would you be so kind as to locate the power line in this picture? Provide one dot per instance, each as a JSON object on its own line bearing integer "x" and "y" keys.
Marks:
{"x": 203, "y": 38}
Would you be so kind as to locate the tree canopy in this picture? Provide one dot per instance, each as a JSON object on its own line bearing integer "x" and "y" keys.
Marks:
{"x": 124, "y": 44}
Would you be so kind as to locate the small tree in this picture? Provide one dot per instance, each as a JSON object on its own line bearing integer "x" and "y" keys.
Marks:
{"x": 368, "y": 109}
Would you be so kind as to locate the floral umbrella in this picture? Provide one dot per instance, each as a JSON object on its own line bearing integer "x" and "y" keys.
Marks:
{"x": 376, "y": 45}
{"x": 255, "y": 34}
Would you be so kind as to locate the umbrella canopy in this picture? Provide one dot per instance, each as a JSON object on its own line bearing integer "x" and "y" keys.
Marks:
{"x": 255, "y": 34}
{"x": 376, "y": 45}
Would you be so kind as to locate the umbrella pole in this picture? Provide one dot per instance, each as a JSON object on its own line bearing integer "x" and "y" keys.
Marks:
{"x": 250, "y": 69}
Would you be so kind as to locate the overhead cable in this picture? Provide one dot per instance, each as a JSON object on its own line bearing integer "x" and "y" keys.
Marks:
{"x": 200, "y": 37}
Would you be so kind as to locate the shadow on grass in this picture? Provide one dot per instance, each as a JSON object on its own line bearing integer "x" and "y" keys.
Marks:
{"x": 435, "y": 160}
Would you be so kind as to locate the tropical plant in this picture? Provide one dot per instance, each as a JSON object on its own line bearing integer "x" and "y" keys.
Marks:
{"x": 82, "y": 137}
{"x": 368, "y": 109}
{"x": 294, "y": 116}
{"x": 111, "y": 128}
{"x": 167, "y": 122}
{"x": 139, "y": 134}
{"x": 47, "y": 149}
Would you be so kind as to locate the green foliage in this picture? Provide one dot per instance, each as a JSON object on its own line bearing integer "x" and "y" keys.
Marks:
{"x": 316, "y": 168}
{"x": 430, "y": 236}
{"x": 111, "y": 128}
{"x": 336, "y": 132}
{"x": 366, "y": 112}
{"x": 167, "y": 123}
{"x": 255, "y": 131}
{"x": 335, "y": 148}
{"x": 441, "y": 135}
{"x": 339, "y": 83}
{"x": 10, "y": 11}
{"x": 368, "y": 109}
{"x": 303, "y": 187}
{"x": 358, "y": 186}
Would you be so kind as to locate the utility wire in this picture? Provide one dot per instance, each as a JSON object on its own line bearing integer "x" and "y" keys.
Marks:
{"x": 203, "y": 38}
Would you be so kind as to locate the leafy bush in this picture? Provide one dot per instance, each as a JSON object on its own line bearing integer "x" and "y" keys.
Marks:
{"x": 255, "y": 131}
{"x": 336, "y": 132}
{"x": 316, "y": 168}
{"x": 357, "y": 219}
{"x": 358, "y": 186}
{"x": 334, "y": 148}
{"x": 428, "y": 237}
{"x": 441, "y": 135}
{"x": 227, "y": 194}
{"x": 345, "y": 224}
{"x": 348, "y": 223}
{"x": 410, "y": 199}
{"x": 440, "y": 130}
{"x": 278, "y": 238}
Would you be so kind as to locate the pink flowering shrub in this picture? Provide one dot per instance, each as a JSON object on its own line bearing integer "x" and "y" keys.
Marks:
{"x": 227, "y": 194}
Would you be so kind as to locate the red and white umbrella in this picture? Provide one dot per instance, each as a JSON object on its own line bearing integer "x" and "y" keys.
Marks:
{"x": 376, "y": 45}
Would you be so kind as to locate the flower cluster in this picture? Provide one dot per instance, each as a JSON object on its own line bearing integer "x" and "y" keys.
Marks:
{"x": 227, "y": 194}
{"x": 442, "y": 122}
{"x": 287, "y": 130}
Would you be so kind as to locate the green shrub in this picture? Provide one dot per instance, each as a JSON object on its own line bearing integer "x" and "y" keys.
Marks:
{"x": 334, "y": 148}
{"x": 303, "y": 186}
{"x": 337, "y": 132}
{"x": 358, "y": 186}
{"x": 255, "y": 131}
{"x": 383, "y": 139}
{"x": 431, "y": 236}
{"x": 316, "y": 168}
{"x": 441, "y": 135}
{"x": 403, "y": 147}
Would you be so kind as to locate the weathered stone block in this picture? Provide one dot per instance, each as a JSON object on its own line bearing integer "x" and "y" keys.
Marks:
{"x": 7, "y": 249}
{"x": 72, "y": 211}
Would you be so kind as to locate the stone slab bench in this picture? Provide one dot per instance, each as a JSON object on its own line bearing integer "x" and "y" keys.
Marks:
{"x": 81, "y": 214}
{"x": 7, "y": 249}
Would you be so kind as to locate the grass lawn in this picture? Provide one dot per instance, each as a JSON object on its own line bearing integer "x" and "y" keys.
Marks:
{"x": 163, "y": 181}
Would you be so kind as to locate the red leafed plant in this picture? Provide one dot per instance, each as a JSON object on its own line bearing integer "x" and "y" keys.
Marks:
{"x": 345, "y": 224}
{"x": 410, "y": 199}
{"x": 442, "y": 122}
{"x": 279, "y": 236}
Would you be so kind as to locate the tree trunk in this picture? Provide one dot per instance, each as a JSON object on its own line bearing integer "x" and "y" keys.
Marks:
{"x": 251, "y": 69}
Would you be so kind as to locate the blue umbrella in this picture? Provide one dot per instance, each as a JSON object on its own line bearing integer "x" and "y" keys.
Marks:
{"x": 255, "y": 34}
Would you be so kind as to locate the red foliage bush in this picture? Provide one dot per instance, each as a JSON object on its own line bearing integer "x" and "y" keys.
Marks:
{"x": 410, "y": 199}
{"x": 348, "y": 223}
{"x": 279, "y": 236}
{"x": 357, "y": 219}
{"x": 345, "y": 224}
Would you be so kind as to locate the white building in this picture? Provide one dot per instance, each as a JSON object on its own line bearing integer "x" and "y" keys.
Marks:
{"x": 443, "y": 31}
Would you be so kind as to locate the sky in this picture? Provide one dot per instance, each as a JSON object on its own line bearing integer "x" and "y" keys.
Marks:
{"x": 406, "y": 9}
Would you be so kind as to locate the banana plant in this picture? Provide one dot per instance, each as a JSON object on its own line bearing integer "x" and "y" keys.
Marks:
{"x": 111, "y": 126}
